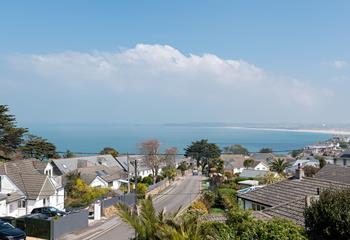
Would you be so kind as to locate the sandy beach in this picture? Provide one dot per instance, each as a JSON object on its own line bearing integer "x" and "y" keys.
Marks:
{"x": 326, "y": 131}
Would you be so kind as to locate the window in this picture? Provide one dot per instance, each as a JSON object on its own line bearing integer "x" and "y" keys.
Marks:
{"x": 257, "y": 207}
{"x": 21, "y": 203}
{"x": 46, "y": 201}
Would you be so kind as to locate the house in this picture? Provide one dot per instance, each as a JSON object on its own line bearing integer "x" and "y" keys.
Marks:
{"x": 334, "y": 173}
{"x": 102, "y": 176}
{"x": 128, "y": 162}
{"x": 263, "y": 157}
{"x": 233, "y": 162}
{"x": 252, "y": 173}
{"x": 286, "y": 199}
{"x": 260, "y": 166}
{"x": 343, "y": 159}
{"x": 28, "y": 184}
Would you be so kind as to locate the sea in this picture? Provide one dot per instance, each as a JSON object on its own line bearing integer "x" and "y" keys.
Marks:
{"x": 126, "y": 138}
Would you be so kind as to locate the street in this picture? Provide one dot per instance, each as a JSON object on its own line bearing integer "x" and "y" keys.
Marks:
{"x": 181, "y": 195}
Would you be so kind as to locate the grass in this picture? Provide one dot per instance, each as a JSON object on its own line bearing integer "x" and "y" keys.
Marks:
{"x": 216, "y": 211}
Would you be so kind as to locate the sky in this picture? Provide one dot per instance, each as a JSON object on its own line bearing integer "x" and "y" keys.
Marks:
{"x": 175, "y": 61}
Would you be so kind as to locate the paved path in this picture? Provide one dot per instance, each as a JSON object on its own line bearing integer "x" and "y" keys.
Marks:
{"x": 180, "y": 195}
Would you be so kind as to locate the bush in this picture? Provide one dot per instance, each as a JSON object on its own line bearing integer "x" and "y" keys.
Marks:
{"x": 329, "y": 217}
{"x": 208, "y": 198}
{"x": 141, "y": 190}
{"x": 215, "y": 230}
{"x": 199, "y": 206}
{"x": 147, "y": 180}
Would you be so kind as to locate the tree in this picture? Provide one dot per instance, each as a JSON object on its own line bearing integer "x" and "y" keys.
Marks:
{"x": 248, "y": 163}
{"x": 310, "y": 171}
{"x": 170, "y": 156}
{"x": 183, "y": 166}
{"x": 152, "y": 159}
{"x": 329, "y": 217}
{"x": 236, "y": 149}
{"x": 169, "y": 172}
{"x": 11, "y": 137}
{"x": 296, "y": 153}
{"x": 270, "y": 178}
{"x": 202, "y": 151}
{"x": 109, "y": 150}
{"x": 279, "y": 166}
{"x": 216, "y": 165}
{"x": 39, "y": 148}
{"x": 322, "y": 161}
{"x": 265, "y": 150}
{"x": 68, "y": 154}
{"x": 344, "y": 145}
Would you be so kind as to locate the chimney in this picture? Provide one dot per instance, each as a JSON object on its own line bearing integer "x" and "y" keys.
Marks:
{"x": 299, "y": 172}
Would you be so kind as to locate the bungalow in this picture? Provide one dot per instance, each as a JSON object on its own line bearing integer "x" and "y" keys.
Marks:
{"x": 263, "y": 157}
{"x": 128, "y": 162}
{"x": 233, "y": 162}
{"x": 28, "y": 184}
{"x": 343, "y": 159}
{"x": 287, "y": 198}
{"x": 102, "y": 176}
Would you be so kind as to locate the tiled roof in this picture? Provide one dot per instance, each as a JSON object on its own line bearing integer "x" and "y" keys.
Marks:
{"x": 66, "y": 165}
{"x": 251, "y": 173}
{"x": 289, "y": 190}
{"x": 14, "y": 196}
{"x": 345, "y": 154}
{"x": 232, "y": 161}
{"x": 26, "y": 177}
{"x": 334, "y": 173}
{"x": 108, "y": 174}
{"x": 293, "y": 210}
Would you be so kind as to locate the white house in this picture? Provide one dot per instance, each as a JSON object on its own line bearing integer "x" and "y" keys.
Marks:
{"x": 27, "y": 184}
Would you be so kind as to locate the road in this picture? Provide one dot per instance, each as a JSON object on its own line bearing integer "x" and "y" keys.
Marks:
{"x": 181, "y": 195}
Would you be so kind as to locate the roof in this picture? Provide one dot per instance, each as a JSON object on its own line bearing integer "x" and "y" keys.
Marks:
{"x": 288, "y": 190}
{"x": 26, "y": 177}
{"x": 213, "y": 218}
{"x": 345, "y": 154}
{"x": 14, "y": 196}
{"x": 256, "y": 163}
{"x": 66, "y": 165}
{"x": 232, "y": 161}
{"x": 249, "y": 182}
{"x": 334, "y": 173}
{"x": 262, "y": 156}
{"x": 293, "y": 210}
{"x": 108, "y": 174}
{"x": 251, "y": 173}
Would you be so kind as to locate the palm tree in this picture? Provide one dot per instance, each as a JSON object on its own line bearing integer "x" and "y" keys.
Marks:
{"x": 279, "y": 166}
{"x": 152, "y": 226}
{"x": 248, "y": 163}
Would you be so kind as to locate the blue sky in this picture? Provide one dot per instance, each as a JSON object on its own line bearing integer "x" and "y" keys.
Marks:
{"x": 51, "y": 55}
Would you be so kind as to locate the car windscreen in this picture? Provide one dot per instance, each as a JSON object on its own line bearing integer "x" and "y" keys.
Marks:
{"x": 6, "y": 225}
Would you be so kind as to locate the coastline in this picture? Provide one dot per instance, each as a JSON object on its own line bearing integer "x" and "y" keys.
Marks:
{"x": 330, "y": 131}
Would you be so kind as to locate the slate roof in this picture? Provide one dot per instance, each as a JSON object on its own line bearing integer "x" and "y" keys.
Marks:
{"x": 334, "y": 173}
{"x": 27, "y": 178}
{"x": 293, "y": 210}
{"x": 289, "y": 190}
{"x": 66, "y": 165}
{"x": 232, "y": 161}
{"x": 108, "y": 174}
{"x": 251, "y": 173}
{"x": 14, "y": 196}
{"x": 262, "y": 156}
{"x": 345, "y": 154}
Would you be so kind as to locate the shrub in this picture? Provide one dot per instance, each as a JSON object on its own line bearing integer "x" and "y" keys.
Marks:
{"x": 141, "y": 190}
{"x": 215, "y": 230}
{"x": 208, "y": 198}
{"x": 329, "y": 217}
{"x": 199, "y": 206}
{"x": 147, "y": 180}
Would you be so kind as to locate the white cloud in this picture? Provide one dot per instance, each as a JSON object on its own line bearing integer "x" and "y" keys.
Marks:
{"x": 161, "y": 75}
{"x": 338, "y": 64}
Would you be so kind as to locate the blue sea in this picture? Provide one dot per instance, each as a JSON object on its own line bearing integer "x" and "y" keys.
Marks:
{"x": 127, "y": 138}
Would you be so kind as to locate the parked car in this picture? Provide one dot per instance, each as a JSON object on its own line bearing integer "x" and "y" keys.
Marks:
{"x": 9, "y": 232}
{"x": 49, "y": 211}
{"x": 194, "y": 172}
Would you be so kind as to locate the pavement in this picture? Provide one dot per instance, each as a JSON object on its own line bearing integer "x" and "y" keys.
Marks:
{"x": 180, "y": 194}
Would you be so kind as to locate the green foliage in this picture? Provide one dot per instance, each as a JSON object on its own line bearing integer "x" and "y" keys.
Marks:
{"x": 248, "y": 163}
{"x": 147, "y": 180}
{"x": 68, "y": 154}
{"x": 236, "y": 149}
{"x": 208, "y": 197}
{"x": 109, "y": 150}
{"x": 296, "y": 153}
{"x": 215, "y": 231}
{"x": 329, "y": 217}
{"x": 270, "y": 178}
{"x": 279, "y": 166}
{"x": 183, "y": 166}
{"x": 169, "y": 172}
{"x": 141, "y": 190}
{"x": 199, "y": 206}
{"x": 322, "y": 161}
{"x": 310, "y": 171}
{"x": 216, "y": 165}
{"x": 344, "y": 145}
{"x": 246, "y": 227}
{"x": 265, "y": 150}
{"x": 82, "y": 195}
{"x": 11, "y": 137}
{"x": 39, "y": 148}
{"x": 202, "y": 151}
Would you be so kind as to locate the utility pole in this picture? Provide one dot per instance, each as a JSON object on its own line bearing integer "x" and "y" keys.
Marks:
{"x": 135, "y": 204}
{"x": 128, "y": 162}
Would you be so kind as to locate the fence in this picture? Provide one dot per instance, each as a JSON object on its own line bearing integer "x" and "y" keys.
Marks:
{"x": 53, "y": 228}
